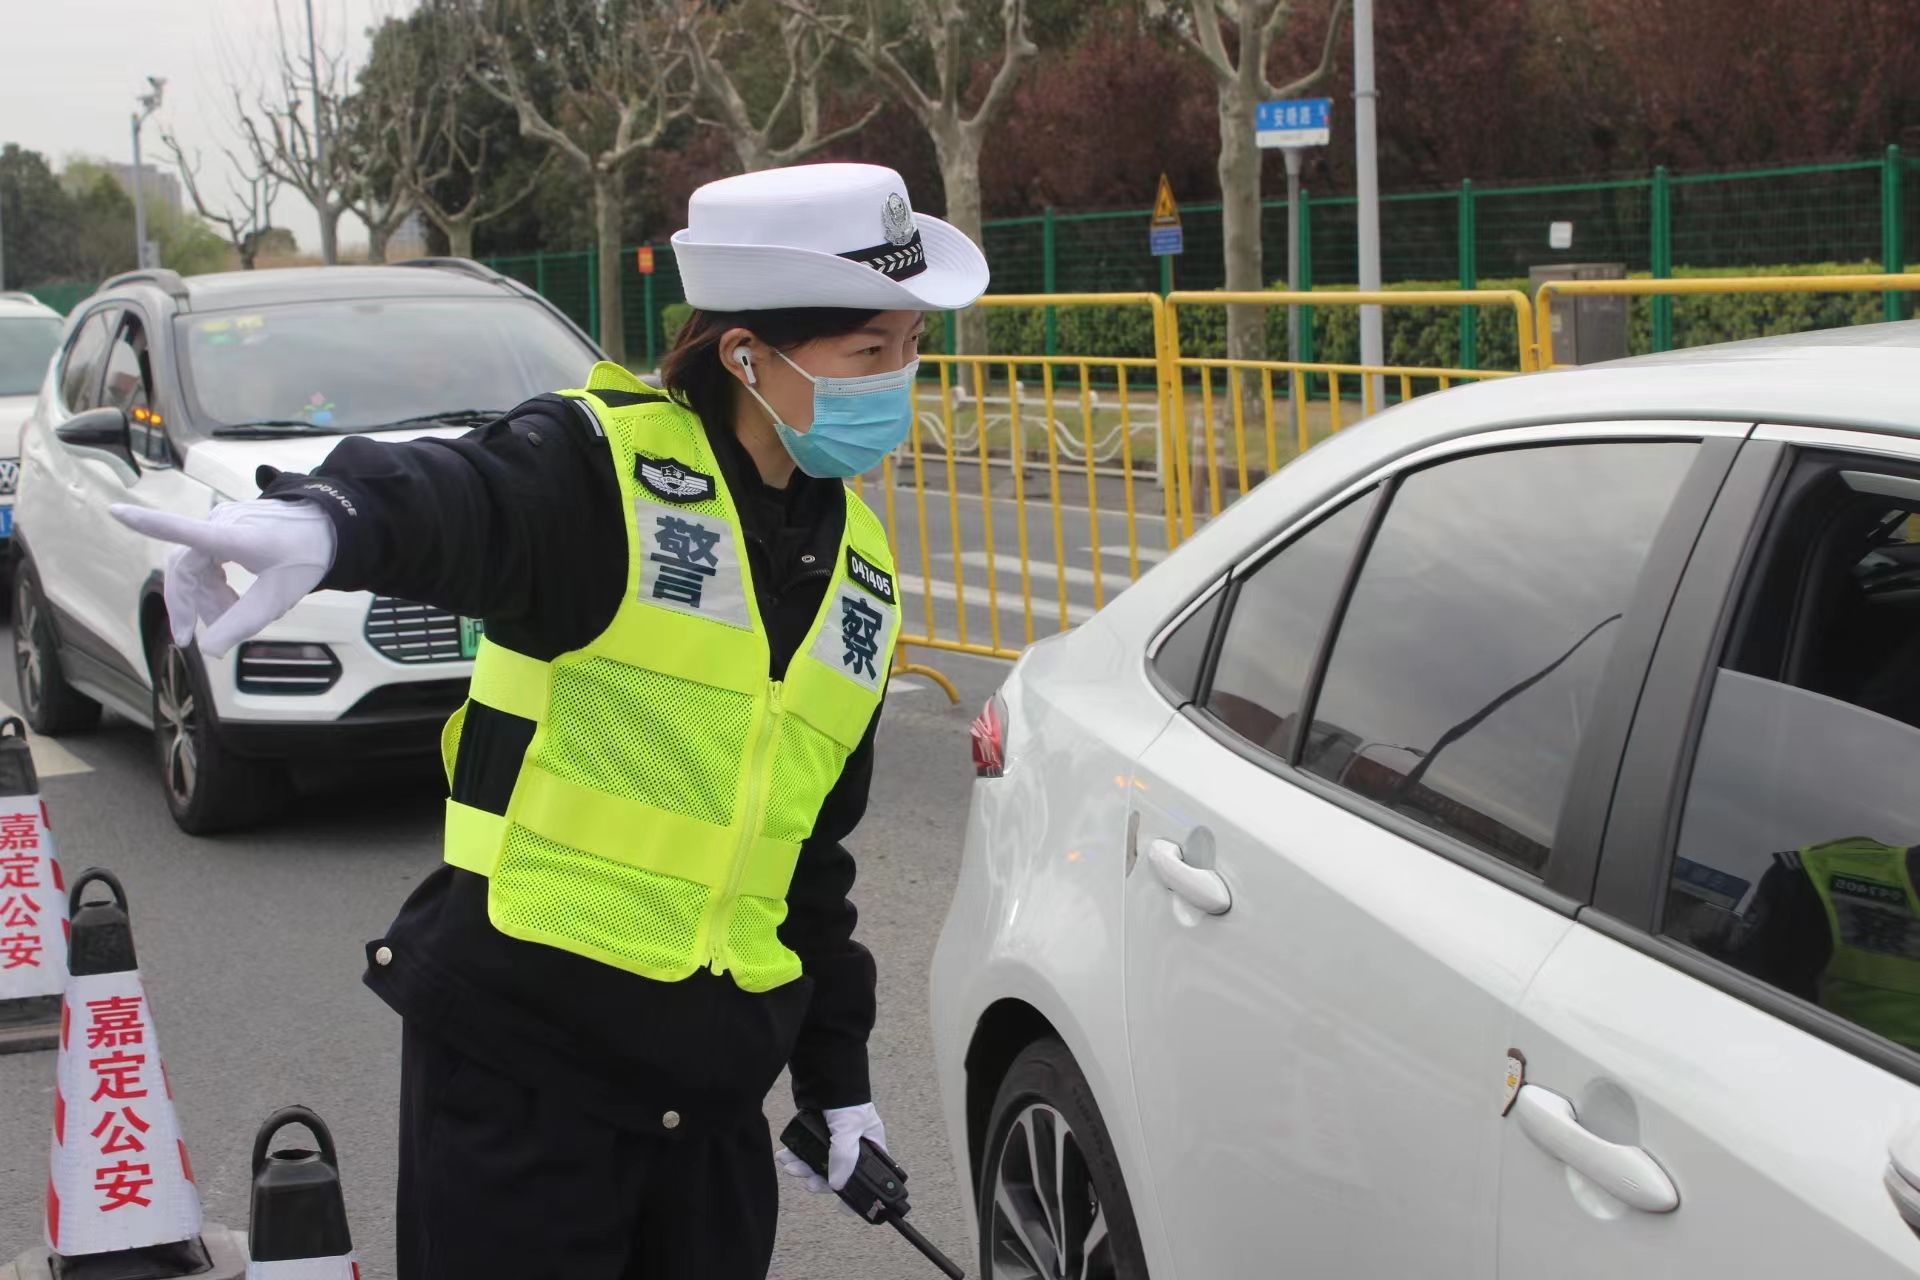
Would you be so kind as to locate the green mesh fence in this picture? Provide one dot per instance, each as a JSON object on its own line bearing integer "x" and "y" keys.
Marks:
{"x": 1802, "y": 218}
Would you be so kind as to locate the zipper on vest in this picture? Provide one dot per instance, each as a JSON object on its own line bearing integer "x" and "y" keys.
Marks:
{"x": 751, "y": 820}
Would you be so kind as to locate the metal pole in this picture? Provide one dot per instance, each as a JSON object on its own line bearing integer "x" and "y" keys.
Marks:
{"x": 3, "y": 238}
{"x": 646, "y": 302}
{"x": 1367, "y": 172}
{"x": 1662, "y": 257}
{"x": 1892, "y": 215}
{"x": 1292, "y": 157}
{"x": 139, "y": 202}
{"x": 1305, "y": 263}
{"x": 1469, "y": 279}
{"x": 1048, "y": 279}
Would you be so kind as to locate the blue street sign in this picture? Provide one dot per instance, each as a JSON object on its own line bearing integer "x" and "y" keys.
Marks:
{"x": 1165, "y": 240}
{"x": 1294, "y": 122}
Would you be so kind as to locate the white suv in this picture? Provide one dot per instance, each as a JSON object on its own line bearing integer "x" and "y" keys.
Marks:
{"x": 29, "y": 334}
{"x": 175, "y": 394}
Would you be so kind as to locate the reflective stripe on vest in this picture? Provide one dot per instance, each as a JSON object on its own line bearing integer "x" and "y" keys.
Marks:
{"x": 655, "y": 818}
{"x": 1873, "y": 913}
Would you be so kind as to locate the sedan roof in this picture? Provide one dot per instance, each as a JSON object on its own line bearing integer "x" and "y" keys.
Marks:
{"x": 1864, "y": 376}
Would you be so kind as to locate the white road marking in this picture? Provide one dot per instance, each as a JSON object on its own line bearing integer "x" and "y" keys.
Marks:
{"x": 1046, "y": 606}
{"x": 903, "y": 684}
{"x": 50, "y": 759}
{"x": 1148, "y": 555}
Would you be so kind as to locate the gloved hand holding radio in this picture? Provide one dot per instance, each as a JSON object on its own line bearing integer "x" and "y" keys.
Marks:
{"x": 847, "y": 1125}
{"x": 287, "y": 546}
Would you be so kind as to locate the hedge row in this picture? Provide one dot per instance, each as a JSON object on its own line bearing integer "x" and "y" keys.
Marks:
{"x": 1424, "y": 336}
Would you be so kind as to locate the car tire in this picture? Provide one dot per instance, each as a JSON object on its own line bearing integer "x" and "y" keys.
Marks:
{"x": 49, "y": 704}
{"x": 208, "y": 788}
{"x": 1074, "y": 1219}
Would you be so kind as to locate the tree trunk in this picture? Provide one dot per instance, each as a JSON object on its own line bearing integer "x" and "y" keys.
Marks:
{"x": 959, "y": 157}
{"x": 752, "y": 151}
{"x": 1240, "y": 234}
{"x": 376, "y": 243}
{"x": 329, "y": 216}
{"x": 459, "y": 237}
{"x": 606, "y": 219}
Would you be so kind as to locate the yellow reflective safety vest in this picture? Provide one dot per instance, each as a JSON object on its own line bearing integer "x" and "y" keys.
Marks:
{"x": 1873, "y": 912}
{"x": 658, "y": 813}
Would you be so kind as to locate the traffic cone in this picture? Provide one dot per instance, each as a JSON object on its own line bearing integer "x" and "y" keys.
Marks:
{"x": 299, "y": 1225}
{"x": 121, "y": 1200}
{"x": 33, "y": 904}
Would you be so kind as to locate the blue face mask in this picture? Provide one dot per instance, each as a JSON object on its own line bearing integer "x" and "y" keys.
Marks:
{"x": 856, "y": 421}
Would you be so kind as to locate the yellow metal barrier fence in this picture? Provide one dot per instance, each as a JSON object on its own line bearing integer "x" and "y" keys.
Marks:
{"x": 1301, "y": 391}
{"x": 1003, "y": 443}
{"x": 1553, "y": 289}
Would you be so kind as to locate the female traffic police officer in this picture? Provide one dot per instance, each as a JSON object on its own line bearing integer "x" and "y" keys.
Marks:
{"x": 643, "y": 915}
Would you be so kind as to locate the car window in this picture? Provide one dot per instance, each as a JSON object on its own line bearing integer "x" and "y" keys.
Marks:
{"x": 80, "y": 375}
{"x": 1181, "y": 655}
{"x": 1799, "y": 845}
{"x": 128, "y": 385}
{"x": 1279, "y": 618}
{"x": 26, "y": 344}
{"x": 371, "y": 363}
{"x": 1471, "y": 652}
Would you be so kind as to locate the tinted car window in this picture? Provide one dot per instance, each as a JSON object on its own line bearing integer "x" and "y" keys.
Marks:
{"x": 1279, "y": 619}
{"x": 358, "y": 365}
{"x": 26, "y": 344}
{"x": 1469, "y": 657}
{"x": 126, "y": 385}
{"x": 80, "y": 376}
{"x": 1184, "y": 651}
{"x": 1799, "y": 845}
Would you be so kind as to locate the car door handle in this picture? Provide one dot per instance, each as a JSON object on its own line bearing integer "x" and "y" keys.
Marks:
{"x": 1628, "y": 1174}
{"x": 1197, "y": 885}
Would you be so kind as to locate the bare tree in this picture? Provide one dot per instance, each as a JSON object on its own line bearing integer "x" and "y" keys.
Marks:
{"x": 704, "y": 37}
{"x": 460, "y": 155}
{"x": 251, "y": 189}
{"x": 616, "y": 84}
{"x": 1240, "y": 78}
{"x": 935, "y": 32}
{"x": 298, "y": 149}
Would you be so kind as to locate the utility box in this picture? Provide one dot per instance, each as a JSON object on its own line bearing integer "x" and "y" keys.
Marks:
{"x": 1585, "y": 330}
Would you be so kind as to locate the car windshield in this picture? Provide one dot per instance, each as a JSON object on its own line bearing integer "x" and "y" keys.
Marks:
{"x": 339, "y": 367}
{"x": 26, "y": 344}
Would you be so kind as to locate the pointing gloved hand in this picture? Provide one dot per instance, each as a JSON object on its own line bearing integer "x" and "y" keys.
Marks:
{"x": 847, "y": 1125}
{"x": 287, "y": 546}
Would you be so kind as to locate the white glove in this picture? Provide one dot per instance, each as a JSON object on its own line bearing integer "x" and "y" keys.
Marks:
{"x": 847, "y": 1125}
{"x": 287, "y": 546}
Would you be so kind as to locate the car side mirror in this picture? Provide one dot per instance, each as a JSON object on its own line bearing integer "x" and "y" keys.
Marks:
{"x": 107, "y": 430}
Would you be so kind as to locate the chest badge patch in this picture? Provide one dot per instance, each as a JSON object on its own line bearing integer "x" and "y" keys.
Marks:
{"x": 870, "y": 575}
{"x": 669, "y": 481}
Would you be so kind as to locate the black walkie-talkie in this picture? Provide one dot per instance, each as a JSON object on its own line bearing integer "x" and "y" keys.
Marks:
{"x": 877, "y": 1191}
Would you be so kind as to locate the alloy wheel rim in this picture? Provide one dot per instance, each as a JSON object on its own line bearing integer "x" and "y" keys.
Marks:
{"x": 1047, "y": 1221}
{"x": 175, "y": 721}
{"x": 28, "y": 661}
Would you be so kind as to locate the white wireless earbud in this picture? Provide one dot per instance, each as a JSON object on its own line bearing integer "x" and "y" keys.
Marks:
{"x": 744, "y": 359}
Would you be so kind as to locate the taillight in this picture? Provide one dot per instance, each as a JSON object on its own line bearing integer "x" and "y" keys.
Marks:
{"x": 989, "y": 734}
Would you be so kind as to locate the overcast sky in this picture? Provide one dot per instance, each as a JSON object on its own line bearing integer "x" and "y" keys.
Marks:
{"x": 71, "y": 69}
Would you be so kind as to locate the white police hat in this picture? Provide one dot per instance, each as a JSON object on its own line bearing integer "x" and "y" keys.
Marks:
{"x": 822, "y": 235}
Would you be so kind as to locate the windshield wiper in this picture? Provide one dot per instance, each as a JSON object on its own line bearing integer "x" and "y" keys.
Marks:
{"x": 272, "y": 427}
{"x": 444, "y": 418}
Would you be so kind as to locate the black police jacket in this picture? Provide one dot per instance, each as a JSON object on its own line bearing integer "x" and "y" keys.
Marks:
{"x": 519, "y": 523}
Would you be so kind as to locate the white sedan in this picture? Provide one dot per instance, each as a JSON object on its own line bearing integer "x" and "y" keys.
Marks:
{"x": 1488, "y": 849}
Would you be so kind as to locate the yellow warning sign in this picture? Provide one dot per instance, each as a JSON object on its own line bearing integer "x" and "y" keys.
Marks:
{"x": 1165, "y": 212}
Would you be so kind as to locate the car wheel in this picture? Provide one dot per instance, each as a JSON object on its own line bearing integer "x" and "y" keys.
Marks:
{"x": 1053, "y": 1205}
{"x": 50, "y": 705}
{"x": 208, "y": 788}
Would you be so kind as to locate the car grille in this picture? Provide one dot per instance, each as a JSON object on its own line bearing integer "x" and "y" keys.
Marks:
{"x": 409, "y": 632}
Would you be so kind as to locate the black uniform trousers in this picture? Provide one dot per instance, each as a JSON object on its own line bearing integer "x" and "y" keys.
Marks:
{"x": 498, "y": 1178}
